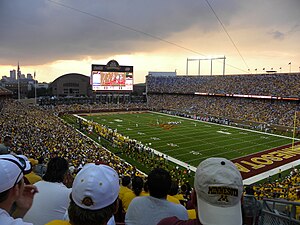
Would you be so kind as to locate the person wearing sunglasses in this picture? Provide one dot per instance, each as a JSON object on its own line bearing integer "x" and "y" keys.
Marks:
{"x": 15, "y": 197}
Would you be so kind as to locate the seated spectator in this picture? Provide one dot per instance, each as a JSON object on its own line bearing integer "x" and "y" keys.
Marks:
{"x": 125, "y": 186}
{"x": 217, "y": 195}
{"x": 53, "y": 199}
{"x": 94, "y": 197}
{"x": 149, "y": 210}
{"x": 13, "y": 191}
{"x": 137, "y": 187}
{"x": 5, "y": 145}
{"x": 40, "y": 168}
{"x": 32, "y": 177}
{"x": 173, "y": 195}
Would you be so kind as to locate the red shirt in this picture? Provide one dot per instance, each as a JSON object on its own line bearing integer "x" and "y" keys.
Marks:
{"x": 175, "y": 221}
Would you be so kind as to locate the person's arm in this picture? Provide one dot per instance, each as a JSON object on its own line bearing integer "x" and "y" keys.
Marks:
{"x": 24, "y": 203}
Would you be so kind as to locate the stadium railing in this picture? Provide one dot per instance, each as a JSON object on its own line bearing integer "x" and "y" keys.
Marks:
{"x": 279, "y": 212}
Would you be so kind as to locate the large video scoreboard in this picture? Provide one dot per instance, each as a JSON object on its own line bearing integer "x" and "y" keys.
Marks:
{"x": 112, "y": 77}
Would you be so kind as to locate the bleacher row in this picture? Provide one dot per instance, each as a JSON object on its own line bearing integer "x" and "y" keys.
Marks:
{"x": 284, "y": 85}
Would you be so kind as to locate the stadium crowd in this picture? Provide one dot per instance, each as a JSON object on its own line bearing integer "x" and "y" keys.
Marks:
{"x": 284, "y": 85}
{"x": 244, "y": 109}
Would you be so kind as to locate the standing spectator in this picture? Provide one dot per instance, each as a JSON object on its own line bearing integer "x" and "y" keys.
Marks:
{"x": 14, "y": 191}
{"x": 149, "y": 210}
{"x": 217, "y": 195}
{"x": 6, "y": 145}
{"x": 94, "y": 197}
{"x": 53, "y": 198}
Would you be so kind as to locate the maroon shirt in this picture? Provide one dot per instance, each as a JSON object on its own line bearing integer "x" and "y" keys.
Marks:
{"x": 175, "y": 221}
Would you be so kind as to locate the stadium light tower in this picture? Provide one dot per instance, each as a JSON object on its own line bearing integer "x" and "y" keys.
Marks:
{"x": 207, "y": 58}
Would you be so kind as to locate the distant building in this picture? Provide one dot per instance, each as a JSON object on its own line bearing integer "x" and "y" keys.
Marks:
{"x": 13, "y": 75}
{"x": 71, "y": 85}
{"x": 29, "y": 76}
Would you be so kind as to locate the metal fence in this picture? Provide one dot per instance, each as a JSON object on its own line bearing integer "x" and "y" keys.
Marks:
{"x": 279, "y": 212}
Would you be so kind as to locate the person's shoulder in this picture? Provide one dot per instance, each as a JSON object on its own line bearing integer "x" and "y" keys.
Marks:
{"x": 58, "y": 222}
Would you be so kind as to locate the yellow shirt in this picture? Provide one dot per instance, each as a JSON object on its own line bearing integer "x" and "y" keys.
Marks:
{"x": 128, "y": 198}
{"x": 58, "y": 222}
{"x": 173, "y": 199}
{"x": 33, "y": 178}
{"x": 192, "y": 214}
{"x": 123, "y": 190}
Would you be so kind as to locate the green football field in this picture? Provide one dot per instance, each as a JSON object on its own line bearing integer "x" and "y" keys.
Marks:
{"x": 188, "y": 140}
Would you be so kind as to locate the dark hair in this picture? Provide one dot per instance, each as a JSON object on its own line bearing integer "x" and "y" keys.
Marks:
{"x": 174, "y": 188}
{"x": 56, "y": 170}
{"x": 159, "y": 183}
{"x": 80, "y": 216}
{"x": 126, "y": 180}
{"x": 7, "y": 138}
{"x": 137, "y": 185}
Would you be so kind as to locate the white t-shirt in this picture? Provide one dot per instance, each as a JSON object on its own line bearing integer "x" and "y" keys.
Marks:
{"x": 6, "y": 219}
{"x": 149, "y": 211}
{"x": 50, "y": 203}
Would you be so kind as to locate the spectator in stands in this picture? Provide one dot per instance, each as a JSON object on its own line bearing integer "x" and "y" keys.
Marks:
{"x": 94, "y": 197}
{"x": 40, "y": 168}
{"x": 32, "y": 177}
{"x": 13, "y": 191}
{"x": 53, "y": 198}
{"x": 125, "y": 186}
{"x": 149, "y": 210}
{"x": 6, "y": 145}
{"x": 137, "y": 188}
{"x": 217, "y": 196}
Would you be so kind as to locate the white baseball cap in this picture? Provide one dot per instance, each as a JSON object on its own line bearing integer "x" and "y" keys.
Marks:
{"x": 219, "y": 189}
{"x": 12, "y": 169}
{"x": 95, "y": 187}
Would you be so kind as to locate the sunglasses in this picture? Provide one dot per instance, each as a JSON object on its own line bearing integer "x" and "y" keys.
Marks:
{"x": 20, "y": 162}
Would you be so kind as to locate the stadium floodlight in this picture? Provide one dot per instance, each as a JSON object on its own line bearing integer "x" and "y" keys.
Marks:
{"x": 211, "y": 58}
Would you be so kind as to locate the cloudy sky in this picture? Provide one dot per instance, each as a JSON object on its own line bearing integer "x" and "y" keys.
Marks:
{"x": 55, "y": 37}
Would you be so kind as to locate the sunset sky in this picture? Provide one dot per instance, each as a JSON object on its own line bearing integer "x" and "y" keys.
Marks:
{"x": 55, "y": 37}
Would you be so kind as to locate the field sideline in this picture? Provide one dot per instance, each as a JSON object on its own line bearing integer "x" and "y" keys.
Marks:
{"x": 190, "y": 141}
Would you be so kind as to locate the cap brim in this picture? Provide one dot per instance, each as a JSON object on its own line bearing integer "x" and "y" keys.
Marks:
{"x": 213, "y": 215}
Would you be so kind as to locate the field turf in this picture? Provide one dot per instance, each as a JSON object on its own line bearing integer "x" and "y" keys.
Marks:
{"x": 188, "y": 140}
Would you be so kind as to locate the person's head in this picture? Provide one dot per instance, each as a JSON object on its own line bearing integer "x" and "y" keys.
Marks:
{"x": 12, "y": 169}
{"x": 174, "y": 188}
{"x": 219, "y": 188}
{"x": 94, "y": 197}
{"x": 57, "y": 168}
{"x": 159, "y": 183}
{"x": 126, "y": 181}
{"x": 137, "y": 185}
{"x": 7, "y": 141}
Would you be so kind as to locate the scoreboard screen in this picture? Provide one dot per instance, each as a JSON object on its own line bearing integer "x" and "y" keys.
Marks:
{"x": 112, "y": 77}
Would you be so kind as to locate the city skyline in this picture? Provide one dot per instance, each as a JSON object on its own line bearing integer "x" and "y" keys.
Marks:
{"x": 58, "y": 37}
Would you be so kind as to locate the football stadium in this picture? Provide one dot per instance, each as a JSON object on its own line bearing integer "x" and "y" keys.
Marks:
{"x": 184, "y": 120}
{"x": 150, "y": 112}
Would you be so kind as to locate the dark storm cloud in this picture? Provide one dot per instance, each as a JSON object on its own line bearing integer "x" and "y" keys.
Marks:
{"x": 41, "y": 31}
